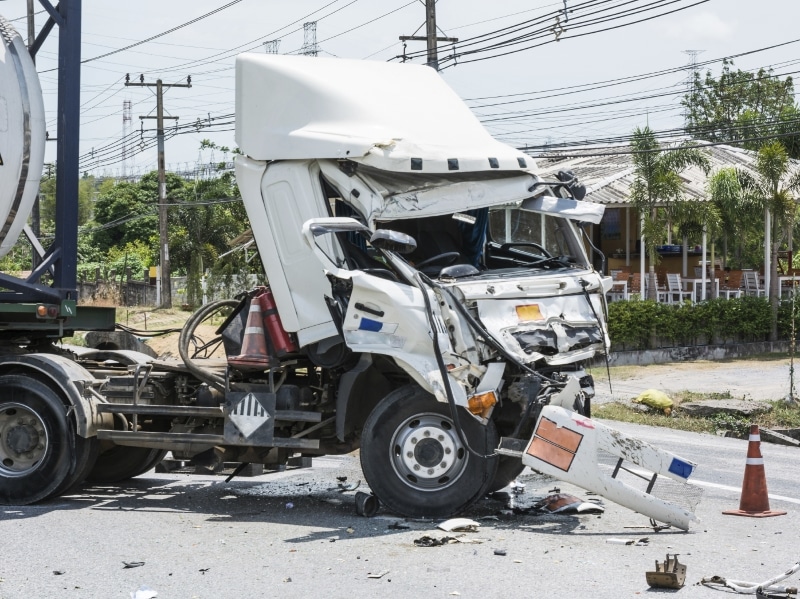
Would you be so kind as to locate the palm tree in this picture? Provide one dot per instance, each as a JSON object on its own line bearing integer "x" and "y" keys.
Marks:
{"x": 773, "y": 185}
{"x": 657, "y": 185}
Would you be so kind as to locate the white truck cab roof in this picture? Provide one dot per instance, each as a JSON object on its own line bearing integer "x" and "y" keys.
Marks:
{"x": 394, "y": 117}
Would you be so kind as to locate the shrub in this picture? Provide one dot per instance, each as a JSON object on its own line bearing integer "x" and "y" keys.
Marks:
{"x": 646, "y": 324}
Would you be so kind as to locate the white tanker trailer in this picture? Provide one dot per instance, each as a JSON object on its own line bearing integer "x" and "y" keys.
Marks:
{"x": 431, "y": 302}
{"x": 22, "y": 136}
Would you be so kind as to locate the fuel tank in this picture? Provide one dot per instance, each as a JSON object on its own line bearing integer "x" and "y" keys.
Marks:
{"x": 22, "y": 135}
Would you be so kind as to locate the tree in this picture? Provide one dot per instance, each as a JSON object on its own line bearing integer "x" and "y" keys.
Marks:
{"x": 657, "y": 185}
{"x": 125, "y": 213}
{"x": 740, "y": 106}
{"x": 203, "y": 227}
{"x": 773, "y": 185}
{"x": 741, "y": 218}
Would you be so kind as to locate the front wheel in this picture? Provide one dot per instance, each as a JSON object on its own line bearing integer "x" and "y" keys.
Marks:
{"x": 36, "y": 441}
{"x": 415, "y": 461}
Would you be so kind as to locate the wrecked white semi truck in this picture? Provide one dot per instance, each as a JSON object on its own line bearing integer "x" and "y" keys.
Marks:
{"x": 430, "y": 302}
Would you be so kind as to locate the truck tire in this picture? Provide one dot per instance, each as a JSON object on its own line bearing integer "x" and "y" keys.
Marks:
{"x": 508, "y": 469}
{"x": 414, "y": 460}
{"x": 36, "y": 441}
{"x": 122, "y": 462}
{"x": 86, "y": 452}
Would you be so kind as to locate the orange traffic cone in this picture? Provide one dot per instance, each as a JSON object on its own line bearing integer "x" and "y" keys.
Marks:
{"x": 755, "y": 500}
{"x": 254, "y": 344}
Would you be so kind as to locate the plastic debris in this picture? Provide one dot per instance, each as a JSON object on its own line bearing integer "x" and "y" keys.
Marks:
{"x": 380, "y": 574}
{"x": 126, "y": 565}
{"x": 398, "y": 526}
{"x": 144, "y": 592}
{"x": 289, "y": 505}
{"x": 564, "y": 503}
{"x": 59, "y": 572}
{"x": 459, "y": 525}
{"x": 500, "y": 552}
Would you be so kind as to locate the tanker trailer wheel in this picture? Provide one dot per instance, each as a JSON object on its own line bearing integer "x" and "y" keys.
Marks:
{"x": 415, "y": 461}
{"x": 36, "y": 441}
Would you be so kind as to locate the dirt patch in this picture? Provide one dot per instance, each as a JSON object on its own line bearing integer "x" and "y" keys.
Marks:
{"x": 754, "y": 379}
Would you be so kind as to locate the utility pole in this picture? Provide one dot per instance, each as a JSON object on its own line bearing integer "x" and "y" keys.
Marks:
{"x": 166, "y": 286}
{"x": 430, "y": 35}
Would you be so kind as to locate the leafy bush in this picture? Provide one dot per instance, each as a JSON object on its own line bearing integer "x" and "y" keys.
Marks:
{"x": 647, "y": 325}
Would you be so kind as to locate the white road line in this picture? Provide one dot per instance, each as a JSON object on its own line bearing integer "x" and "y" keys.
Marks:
{"x": 701, "y": 483}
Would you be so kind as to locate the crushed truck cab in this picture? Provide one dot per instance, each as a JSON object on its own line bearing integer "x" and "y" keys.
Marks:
{"x": 430, "y": 301}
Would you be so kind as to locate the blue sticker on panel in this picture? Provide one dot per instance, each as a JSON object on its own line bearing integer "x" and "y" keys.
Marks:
{"x": 681, "y": 468}
{"x": 367, "y": 324}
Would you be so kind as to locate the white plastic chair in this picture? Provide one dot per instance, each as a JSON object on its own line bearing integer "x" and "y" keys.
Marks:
{"x": 675, "y": 290}
{"x": 751, "y": 284}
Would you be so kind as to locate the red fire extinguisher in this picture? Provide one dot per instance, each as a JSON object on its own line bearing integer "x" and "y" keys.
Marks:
{"x": 282, "y": 342}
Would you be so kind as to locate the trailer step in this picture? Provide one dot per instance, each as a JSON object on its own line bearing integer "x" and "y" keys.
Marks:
{"x": 173, "y": 440}
{"x": 198, "y": 412}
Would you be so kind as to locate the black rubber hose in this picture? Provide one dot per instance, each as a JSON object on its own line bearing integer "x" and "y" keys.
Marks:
{"x": 204, "y": 374}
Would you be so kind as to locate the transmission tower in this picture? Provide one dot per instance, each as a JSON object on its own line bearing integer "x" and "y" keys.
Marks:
{"x": 271, "y": 46}
{"x": 691, "y": 71}
{"x": 126, "y": 130}
{"x": 310, "y": 39}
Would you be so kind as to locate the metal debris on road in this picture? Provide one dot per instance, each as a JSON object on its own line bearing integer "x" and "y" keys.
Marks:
{"x": 126, "y": 565}
{"x": 366, "y": 504}
{"x": 500, "y": 552}
{"x": 398, "y": 526}
{"x": 671, "y": 574}
{"x": 564, "y": 503}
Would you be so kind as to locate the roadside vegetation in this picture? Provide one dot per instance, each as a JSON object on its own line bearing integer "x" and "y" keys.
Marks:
{"x": 782, "y": 415}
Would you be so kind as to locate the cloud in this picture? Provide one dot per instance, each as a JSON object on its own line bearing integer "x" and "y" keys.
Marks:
{"x": 700, "y": 26}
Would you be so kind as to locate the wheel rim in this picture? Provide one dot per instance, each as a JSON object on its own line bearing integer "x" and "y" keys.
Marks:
{"x": 426, "y": 452}
{"x": 23, "y": 439}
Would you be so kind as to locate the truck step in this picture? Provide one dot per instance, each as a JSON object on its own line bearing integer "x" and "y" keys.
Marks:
{"x": 176, "y": 440}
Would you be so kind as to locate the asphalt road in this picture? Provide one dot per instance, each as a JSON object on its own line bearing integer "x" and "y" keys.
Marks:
{"x": 295, "y": 534}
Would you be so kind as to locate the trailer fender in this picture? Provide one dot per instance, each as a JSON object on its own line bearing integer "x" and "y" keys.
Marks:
{"x": 71, "y": 380}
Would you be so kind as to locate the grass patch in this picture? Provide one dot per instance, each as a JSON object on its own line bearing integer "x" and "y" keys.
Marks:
{"x": 623, "y": 413}
{"x": 782, "y": 415}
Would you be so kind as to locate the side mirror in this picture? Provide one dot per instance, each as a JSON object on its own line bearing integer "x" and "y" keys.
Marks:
{"x": 568, "y": 178}
{"x": 393, "y": 241}
{"x": 578, "y": 191}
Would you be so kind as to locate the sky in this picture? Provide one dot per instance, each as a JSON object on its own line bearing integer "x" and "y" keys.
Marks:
{"x": 520, "y": 96}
